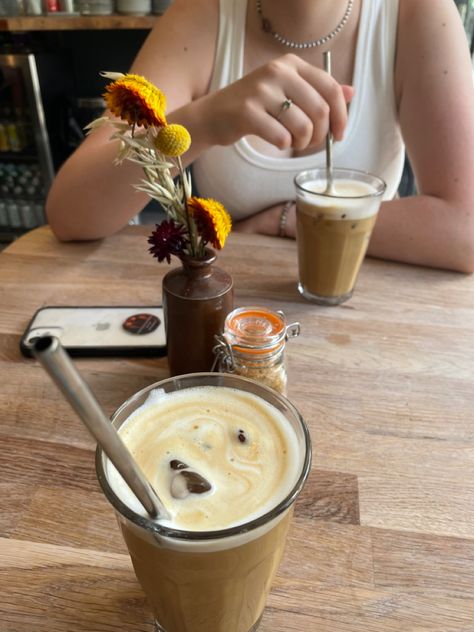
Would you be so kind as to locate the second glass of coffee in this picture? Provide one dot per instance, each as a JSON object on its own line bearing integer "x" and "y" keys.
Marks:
{"x": 333, "y": 230}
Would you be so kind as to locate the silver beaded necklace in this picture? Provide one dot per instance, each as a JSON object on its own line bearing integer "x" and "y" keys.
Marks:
{"x": 267, "y": 28}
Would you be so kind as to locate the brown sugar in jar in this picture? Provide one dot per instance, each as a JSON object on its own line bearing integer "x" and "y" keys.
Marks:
{"x": 253, "y": 345}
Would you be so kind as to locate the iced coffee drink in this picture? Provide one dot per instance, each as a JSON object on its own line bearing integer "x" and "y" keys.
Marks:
{"x": 227, "y": 457}
{"x": 333, "y": 230}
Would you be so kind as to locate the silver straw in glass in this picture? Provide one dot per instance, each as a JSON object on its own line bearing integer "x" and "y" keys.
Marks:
{"x": 329, "y": 177}
{"x": 50, "y": 353}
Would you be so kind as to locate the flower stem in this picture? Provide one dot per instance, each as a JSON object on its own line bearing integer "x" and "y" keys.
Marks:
{"x": 189, "y": 221}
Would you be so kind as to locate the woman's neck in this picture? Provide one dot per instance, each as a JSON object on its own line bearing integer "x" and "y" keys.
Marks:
{"x": 306, "y": 22}
{"x": 303, "y": 20}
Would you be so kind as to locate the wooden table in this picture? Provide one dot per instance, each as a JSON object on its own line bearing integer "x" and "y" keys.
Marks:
{"x": 383, "y": 537}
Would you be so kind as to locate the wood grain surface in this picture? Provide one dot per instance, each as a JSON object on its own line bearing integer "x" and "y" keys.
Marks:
{"x": 383, "y": 535}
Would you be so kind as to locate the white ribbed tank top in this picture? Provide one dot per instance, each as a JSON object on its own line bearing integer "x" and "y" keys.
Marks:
{"x": 247, "y": 181}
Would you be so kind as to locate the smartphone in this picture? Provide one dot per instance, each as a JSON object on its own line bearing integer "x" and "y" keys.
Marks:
{"x": 100, "y": 331}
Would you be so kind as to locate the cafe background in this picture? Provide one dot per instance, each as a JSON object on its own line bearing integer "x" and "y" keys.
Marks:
{"x": 51, "y": 53}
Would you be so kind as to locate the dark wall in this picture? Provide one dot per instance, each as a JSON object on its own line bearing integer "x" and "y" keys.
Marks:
{"x": 93, "y": 51}
{"x": 88, "y": 53}
{"x": 69, "y": 63}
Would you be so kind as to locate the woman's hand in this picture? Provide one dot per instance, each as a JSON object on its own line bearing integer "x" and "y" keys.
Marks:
{"x": 269, "y": 221}
{"x": 253, "y": 106}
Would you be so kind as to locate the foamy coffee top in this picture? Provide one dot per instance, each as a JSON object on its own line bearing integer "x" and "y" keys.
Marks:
{"x": 347, "y": 198}
{"x": 216, "y": 456}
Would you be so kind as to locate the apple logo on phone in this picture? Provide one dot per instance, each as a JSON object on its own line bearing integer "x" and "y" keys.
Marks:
{"x": 102, "y": 326}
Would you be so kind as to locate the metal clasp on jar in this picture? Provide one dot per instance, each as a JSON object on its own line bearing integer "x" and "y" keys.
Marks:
{"x": 224, "y": 356}
{"x": 293, "y": 330}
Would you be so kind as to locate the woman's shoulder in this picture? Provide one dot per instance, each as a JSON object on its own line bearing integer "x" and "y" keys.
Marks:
{"x": 186, "y": 21}
{"x": 418, "y": 15}
{"x": 198, "y": 11}
{"x": 181, "y": 45}
{"x": 430, "y": 35}
{"x": 194, "y": 19}
{"x": 428, "y": 30}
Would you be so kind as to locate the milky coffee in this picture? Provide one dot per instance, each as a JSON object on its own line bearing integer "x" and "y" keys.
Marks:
{"x": 333, "y": 234}
{"x": 218, "y": 457}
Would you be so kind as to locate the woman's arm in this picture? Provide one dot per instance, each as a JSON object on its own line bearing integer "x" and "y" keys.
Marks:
{"x": 277, "y": 220}
{"x": 90, "y": 197}
{"x": 434, "y": 83}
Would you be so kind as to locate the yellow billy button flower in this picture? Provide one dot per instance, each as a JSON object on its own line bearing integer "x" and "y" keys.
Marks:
{"x": 173, "y": 140}
{"x": 213, "y": 222}
{"x": 137, "y": 101}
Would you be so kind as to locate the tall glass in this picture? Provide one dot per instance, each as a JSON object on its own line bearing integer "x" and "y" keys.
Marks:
{"x": 333, "y": 230}
{"x": 209, "y": 581}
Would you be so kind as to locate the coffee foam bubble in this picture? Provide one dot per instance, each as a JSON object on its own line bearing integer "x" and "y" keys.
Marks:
{"x": 348, "y": 200}
{"x": 244, "y": 447}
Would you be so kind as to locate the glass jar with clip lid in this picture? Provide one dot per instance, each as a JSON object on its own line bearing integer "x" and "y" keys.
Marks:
{"x": 253, "y": 345}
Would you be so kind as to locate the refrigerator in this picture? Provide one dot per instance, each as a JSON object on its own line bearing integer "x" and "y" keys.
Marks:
{"x": 30, "y": 139}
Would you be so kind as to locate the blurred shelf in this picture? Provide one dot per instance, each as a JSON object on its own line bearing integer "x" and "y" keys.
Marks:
{"x": 76, "y": 22}
{"x": 27, "y": 155}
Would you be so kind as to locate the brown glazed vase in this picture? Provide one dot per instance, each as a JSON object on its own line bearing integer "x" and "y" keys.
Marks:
{"x": 196, "y": 299}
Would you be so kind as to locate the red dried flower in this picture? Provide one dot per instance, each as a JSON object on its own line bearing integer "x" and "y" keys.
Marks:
{"x": 168, "y": 239}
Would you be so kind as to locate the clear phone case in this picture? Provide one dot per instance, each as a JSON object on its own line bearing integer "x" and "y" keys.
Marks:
{"x": 100, "y": 331}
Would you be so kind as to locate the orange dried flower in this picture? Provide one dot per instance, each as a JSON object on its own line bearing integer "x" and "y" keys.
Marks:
{"x": 137, "y": 101}
{"x": 212, "y": 220}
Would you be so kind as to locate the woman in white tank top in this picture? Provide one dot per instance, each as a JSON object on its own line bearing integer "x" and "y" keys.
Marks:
{"x": 373, "y": 115}
{"x": 228, "y": 66}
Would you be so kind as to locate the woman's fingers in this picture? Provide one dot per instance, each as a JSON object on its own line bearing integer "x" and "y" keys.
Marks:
{"x": 332, "y": 93}
{"x": 271, "y": 129}
{"x": 319, "y": 101}
{"x": 348, "y": 92}
{"x": 302, "y": 128}
{"x": 255, "y": 105}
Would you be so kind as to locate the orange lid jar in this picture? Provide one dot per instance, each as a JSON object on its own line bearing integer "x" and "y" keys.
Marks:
{"x": 253, "y": 345}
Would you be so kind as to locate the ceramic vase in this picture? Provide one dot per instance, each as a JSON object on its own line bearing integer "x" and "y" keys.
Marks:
{"x": 197, "y": 296}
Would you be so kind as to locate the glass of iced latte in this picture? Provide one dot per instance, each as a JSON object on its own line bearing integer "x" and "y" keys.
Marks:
{"x": 228, "y": 457}
{"x": 333, "y": 228}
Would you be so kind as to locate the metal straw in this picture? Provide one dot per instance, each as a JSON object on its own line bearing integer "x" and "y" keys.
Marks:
{"x": 329, "y": 177}
{"x": 50, "y": 353}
